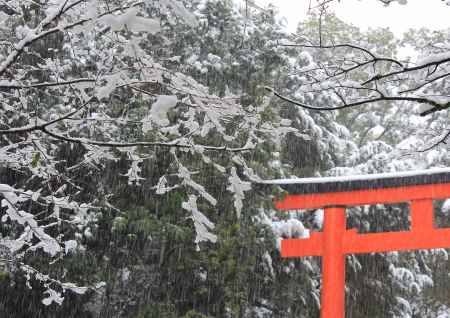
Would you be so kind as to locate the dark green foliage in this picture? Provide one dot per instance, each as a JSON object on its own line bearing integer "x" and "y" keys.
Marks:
{"x": 141, "y": 244}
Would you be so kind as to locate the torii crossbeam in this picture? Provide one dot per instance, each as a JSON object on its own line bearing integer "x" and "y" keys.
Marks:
{"x": 418, "y": 188}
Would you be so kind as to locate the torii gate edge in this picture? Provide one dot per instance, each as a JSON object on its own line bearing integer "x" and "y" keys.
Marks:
{"x": 334, "y": 195}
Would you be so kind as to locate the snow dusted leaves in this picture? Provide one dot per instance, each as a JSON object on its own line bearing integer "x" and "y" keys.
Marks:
{"x": 434, "y": 58}
{"x": 111, "y": 83}
{"x": 201, "y": 222}
{"x": 291, "y": 228}
{"x": 180, "y": 11}
{"x": 10, "y": 200}
{"x": 52, "y": 296}
{"x": 282, "y": 229}
{"x": 185, "y": 175}
{"x": 120, "y": 74}
{"x": 134, "y": 172}
{"x": 132, "y": 21}
{"x": 159, "y": 110}
{"x": 446, "y": 207}
{"x": 70, "y": 246}
{"x": 238, "y": 187}
{"x": 162, "y": 188}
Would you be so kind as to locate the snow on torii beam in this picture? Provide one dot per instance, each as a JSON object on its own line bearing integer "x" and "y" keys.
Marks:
{"x": 418, "y": 188}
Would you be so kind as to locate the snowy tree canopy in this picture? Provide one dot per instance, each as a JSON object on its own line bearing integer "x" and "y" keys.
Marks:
{"x": 78, "y": 82}
{"x": 132, "y": 134}
{"x": 354, "y": 75}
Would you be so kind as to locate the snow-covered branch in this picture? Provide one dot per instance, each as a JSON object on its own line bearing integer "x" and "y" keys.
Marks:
{"x": 375, "y": 78}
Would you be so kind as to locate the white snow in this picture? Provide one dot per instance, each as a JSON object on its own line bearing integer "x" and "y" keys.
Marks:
{"x": 185, "y": 175}
{"x": 406, "y": 306}
{"x": 286, "y": 122}
{"x": 318, "y": 218}
{"x": 201, "y": 223}
{"x": 31, "y": 227}
{"x": 358, "y": 177}
{"x": 440, "y": 99}
{"x": 53, "y": 296}
{"x": 162, "y": 188}
{"x": 112, "y": 82}
{"x": 401, "y": 273}
{"x": 444, "y": 312}
{"x": 3, "y": 17}
{"x": 238, "y": 187}
{"x": 125, "y": 274}
{"x": 70, "y": 246}
{"x": 134, "y": 172}
{"x": 76, "y": 289}
{"x": 161, "y": 107}
{"x": 203, "y": 275}
{"x": 446, "y": 206}
{"x": 181, "y": 11}
{"x": 132, "y": 21}
{"x": 434, "y": 58}
{"x": 291, "y": 228}
{"x": 376, "y": 132}
{"x": 269, "y": 263}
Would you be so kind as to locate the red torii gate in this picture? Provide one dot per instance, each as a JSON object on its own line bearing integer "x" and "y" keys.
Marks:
{"x": 418, "y": 188}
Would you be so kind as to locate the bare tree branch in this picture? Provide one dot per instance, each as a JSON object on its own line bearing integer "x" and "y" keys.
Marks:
{"x": 42, "y": 127}
{"x": 141, "y": 143}
{"x": 442, "y": 141}
{"x": 19, "y": 48}
{"x": 12, "y": 86}
{"x": 349, "y": 46}
{"x": 420, "y": 100}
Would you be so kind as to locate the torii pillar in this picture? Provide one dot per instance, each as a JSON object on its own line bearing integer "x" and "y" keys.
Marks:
{"x": 419, "y": 189}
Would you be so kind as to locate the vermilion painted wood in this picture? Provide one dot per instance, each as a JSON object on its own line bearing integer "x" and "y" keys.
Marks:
{"x": 311, "y": 246}
{"x": 336, "y": 241}
{"x": 333, "y": 264}
{"x": 422, "y": 216}
{"x": 354, "y": 243}
{"x": 396, "y": 241}
{"x": 387, "y": 196}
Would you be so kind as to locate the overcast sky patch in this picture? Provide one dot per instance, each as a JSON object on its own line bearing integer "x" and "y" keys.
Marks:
{"x": 431, "y": 14}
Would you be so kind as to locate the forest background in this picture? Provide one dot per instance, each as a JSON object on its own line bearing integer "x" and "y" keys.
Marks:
{"x": 133, "y": 134}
